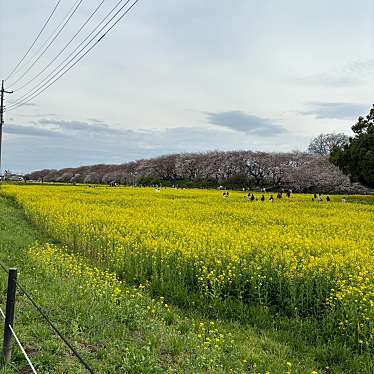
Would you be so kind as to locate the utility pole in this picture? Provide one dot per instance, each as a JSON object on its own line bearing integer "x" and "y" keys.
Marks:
{"x": 2, "y": 115}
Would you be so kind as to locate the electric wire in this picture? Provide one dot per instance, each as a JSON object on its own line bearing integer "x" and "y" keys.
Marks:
{"x": 41, "y": 83}
{"x": 41, "y": 89}
{"x": 40, "y": 52}
{"x": 62, "y": 50}
{"x": 70, "y": 15}
{"x": 35, "y": 40}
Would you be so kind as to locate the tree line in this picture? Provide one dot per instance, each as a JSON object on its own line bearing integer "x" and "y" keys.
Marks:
{"x": 298, "y": 171}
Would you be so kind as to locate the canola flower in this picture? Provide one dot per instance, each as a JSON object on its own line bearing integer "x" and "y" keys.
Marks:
{"x": 301, "y": 257}
{"x": 98, "y": 282}
{"x": 59, "y": 261}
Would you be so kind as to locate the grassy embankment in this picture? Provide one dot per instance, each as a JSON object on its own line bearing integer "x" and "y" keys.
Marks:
{"x": 129, "y": 332}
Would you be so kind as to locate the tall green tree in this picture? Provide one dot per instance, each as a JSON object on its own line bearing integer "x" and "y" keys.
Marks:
{"x": 356, "y": 158}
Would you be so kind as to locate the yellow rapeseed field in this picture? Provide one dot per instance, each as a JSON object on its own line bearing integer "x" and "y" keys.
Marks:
{"x": 297, "y": 256}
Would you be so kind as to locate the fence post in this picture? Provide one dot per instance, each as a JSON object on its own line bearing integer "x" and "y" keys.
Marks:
{"x": 9, "y": 313}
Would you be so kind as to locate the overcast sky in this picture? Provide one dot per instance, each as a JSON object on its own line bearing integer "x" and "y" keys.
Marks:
{"x": 181, "y": 76}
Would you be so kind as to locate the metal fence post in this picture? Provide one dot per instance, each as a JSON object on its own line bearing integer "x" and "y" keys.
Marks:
{"x": 9, "y": 313}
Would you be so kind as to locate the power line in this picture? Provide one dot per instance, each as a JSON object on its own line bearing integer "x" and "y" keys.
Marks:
{"x": 62, "y": 50}
{"x": 54, "y": 31}
{"x": 75, "y": 8}
{"x": 41, "y": 89}
{"x": 50, "y": 39}
{"x": 45, "y": 80}
{"x": 36, "y": 39}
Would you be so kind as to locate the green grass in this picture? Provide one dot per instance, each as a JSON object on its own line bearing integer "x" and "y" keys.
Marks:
{"x": 126, "y": 336}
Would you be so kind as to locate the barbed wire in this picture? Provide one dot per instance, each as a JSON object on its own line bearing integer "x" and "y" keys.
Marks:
{"x": 51, "y": 324}
{"x": 20, "y": 345}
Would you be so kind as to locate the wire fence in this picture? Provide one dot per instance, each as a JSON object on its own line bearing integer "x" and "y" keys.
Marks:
{"x": 49, "y": 322}
{"x": 20, "y": 345}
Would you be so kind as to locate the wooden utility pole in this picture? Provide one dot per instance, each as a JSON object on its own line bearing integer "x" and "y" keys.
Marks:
{"x": 9, "y": 313}
{"x": 2, "y": 115}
